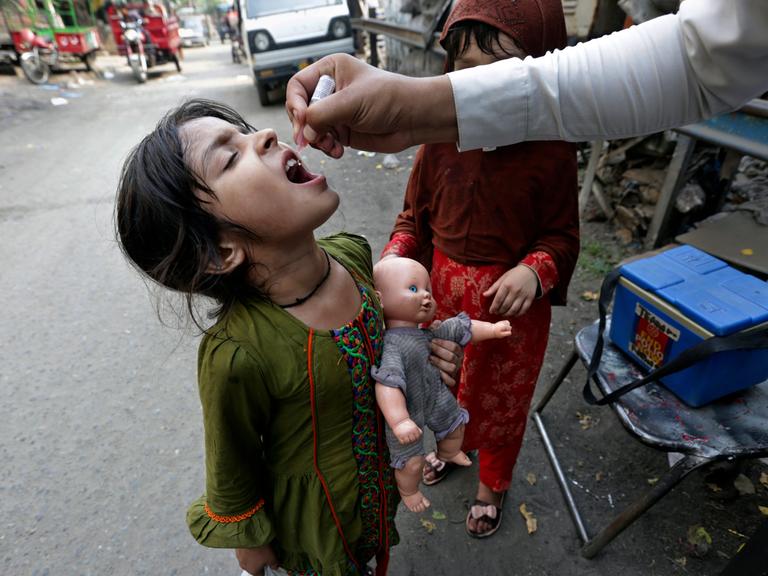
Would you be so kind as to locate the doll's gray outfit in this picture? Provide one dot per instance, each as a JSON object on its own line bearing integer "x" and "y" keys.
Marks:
{"x": 405, "y": 365}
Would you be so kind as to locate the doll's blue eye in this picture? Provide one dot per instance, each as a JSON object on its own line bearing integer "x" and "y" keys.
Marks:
{"x": 413, "y": 288}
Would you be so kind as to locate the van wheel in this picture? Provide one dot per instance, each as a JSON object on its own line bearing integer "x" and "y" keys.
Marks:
{"x": 263, "y": 93}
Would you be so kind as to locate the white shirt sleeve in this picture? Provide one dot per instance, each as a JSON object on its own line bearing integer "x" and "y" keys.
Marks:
{"x": 710, "y": 57}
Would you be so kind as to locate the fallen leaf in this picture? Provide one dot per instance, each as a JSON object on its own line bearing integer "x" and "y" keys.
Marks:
{"x": 682, "y": 561}
{"x": 699, "y": 541}
{"x": 652, "y": 481}
{"x": 589, "y": 296}
{"x": 744, "y": 485}
{"x": 747, "y": 251}
{"x": 530, "y": 519}
{"x": 437, "y": 515}
{"x": 763, "y": 510}
{"x": 379, "y": 166}
{"x": 428, "y": 526}
{"x": 586, "y": 420}
{"x": 599, "y": 476}
{"x": 714, "y": 487}
{"x": 764, "y": 479}
{"x": 531, "y": 477}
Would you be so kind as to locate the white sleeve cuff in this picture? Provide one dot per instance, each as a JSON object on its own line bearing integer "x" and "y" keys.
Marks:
{"x": 491, "y": 104}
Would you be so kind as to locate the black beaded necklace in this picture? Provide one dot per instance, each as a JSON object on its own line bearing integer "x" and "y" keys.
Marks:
{"x": 300, "y": 301}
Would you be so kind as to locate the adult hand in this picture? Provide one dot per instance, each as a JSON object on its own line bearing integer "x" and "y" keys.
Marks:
{"x": 253, "y": 560}
{"x": 371, "y": 109}
{"x": 447, "y": 356}
{"x": 514, "y": 292}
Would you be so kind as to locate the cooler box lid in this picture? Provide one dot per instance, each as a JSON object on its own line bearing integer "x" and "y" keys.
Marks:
{"x": 703, "y": 288}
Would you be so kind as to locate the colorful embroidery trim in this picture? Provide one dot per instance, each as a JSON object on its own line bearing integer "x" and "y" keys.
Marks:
{"x": 360, "y": 344}
{"x": 230, "y": 519}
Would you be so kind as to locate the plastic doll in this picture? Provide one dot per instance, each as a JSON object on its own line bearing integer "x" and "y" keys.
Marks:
{"x": 409, "y": 390}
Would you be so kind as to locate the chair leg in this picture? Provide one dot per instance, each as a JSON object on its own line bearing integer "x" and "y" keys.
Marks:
{"x": 564, "y": 371}
{"x": 675, "y": 474}
{"x": 562, "y": 481}
{"x": 550, "y": 449}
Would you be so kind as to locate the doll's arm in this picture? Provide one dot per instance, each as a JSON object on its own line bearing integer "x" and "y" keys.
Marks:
{"x": 490, "y": 330}
{"x": 392, "y": 404}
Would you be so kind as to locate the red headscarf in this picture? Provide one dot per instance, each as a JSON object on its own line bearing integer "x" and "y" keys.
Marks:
{"x": 536, "y": 26}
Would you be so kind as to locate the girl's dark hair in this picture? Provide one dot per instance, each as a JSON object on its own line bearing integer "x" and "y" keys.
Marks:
{"x": 162, "y": 225}
{"x": 459, "y": 37}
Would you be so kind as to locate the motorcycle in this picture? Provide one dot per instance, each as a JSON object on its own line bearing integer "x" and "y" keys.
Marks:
{"x": 134, "y": 39}
{"x": 238, "y": 54}
{"x": 146, "y": 37}
{"x": 37, "y": 57}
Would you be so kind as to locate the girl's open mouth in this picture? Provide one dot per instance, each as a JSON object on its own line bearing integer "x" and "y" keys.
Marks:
{"x": 295, "y": 170}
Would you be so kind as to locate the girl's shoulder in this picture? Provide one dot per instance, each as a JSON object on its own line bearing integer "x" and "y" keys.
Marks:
{"x": 352, "y": 250}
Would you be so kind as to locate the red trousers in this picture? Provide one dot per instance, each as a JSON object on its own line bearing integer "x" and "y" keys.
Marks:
{"x": 498, "y": 376}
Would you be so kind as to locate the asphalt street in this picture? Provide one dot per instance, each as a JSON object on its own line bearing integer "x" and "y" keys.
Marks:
{"x": 100, "y": 424}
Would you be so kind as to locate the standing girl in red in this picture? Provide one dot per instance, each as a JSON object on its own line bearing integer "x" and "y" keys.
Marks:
{"x": 500, "y": 230}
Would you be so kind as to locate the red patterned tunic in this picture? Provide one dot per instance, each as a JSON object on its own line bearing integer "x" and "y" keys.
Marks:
{"x": 470, "y": 217}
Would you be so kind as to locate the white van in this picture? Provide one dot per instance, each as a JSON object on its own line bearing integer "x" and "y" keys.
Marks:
{"x": 283, "y": 36}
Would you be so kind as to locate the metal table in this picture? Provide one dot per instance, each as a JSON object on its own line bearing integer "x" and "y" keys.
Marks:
{"x": 732, "y": 428}
{"x": 743, "y": 132}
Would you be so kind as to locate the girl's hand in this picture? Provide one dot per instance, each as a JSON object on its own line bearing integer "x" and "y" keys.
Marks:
{"x": 447, "y": 356}
{"x": 253, "y": 560}
{"x": 514, "y": 292}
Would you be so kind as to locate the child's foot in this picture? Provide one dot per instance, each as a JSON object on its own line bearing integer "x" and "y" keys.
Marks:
{"x": 415, "y": 502}
{"x": 484, "y": 517}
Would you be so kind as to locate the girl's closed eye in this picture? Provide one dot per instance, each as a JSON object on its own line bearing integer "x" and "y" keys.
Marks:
{"x": 231, "y": 161}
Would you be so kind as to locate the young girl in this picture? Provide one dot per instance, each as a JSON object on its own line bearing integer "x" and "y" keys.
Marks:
{"x": 297, "y": 470}
{"x": 500, "y": 230}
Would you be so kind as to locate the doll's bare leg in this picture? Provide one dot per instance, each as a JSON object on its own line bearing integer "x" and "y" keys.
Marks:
{"x": 449, "y": 448}
{"x": 408, "y": 479}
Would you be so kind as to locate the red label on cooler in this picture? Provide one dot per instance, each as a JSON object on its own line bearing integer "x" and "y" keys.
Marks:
{"x": 652, "y": 337}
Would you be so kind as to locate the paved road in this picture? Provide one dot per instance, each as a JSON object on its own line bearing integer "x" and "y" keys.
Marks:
{"x": 100, "y": 428}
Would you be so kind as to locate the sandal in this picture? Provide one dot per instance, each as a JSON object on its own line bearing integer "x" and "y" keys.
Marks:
{"x": 486, "y": 512}
{"x": 439, "y": 469}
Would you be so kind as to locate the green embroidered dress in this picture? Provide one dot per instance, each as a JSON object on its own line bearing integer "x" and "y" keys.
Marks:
{"x": 295, "y": 454}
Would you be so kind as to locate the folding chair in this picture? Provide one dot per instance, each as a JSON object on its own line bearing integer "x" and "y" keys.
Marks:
{"x": 732, "y": 428}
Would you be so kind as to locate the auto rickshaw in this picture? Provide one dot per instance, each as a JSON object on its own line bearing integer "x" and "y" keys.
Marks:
{"x": 47, "y": 34}
{"x": 147, "y": 34}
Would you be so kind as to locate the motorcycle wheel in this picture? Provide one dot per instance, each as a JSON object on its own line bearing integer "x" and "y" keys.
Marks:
{"x": 139, "y": 68}
{"x": 35, "y": 68}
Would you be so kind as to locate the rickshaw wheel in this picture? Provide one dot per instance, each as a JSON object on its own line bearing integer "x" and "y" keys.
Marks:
{"x": 89, "y": 60}
{"x": 35, "y": 68}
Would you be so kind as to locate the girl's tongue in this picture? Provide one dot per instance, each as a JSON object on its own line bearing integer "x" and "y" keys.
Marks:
{"x": 296, "y": 172}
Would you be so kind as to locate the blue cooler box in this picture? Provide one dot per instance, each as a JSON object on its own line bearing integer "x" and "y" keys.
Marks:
{"x": 669, "y": 302}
